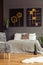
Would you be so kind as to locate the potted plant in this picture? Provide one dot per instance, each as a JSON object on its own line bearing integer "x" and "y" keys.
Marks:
{"x": 35, "y": 49}
{"x": 6, "y": 23}
{"x": 41, "y": 40}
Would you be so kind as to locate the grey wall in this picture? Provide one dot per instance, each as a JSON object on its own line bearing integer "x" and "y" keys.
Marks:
{"x": 7, "y": 4}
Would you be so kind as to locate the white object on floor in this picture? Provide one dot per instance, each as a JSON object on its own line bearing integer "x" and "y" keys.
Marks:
{"x": 33, "y": 59}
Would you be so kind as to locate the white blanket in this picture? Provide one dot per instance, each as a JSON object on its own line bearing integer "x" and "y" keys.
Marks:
{"x": 23, "y": 46}
{"x": 33, "y": 59}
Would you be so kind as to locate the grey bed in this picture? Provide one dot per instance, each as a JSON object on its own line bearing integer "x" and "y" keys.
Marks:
{"x": 24, "y": 46}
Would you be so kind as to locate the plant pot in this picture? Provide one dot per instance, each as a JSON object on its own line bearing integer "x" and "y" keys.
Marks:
{"x": 42, "y": 45}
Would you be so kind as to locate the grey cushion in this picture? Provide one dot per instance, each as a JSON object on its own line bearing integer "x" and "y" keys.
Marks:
{"x": 2, "y": 37}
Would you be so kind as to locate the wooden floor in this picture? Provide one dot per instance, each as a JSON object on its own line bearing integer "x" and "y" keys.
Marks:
{"x": 15, "y": 59}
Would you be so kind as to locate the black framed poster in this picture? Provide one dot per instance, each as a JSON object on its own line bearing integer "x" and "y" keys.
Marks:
{"x": 16, "y": 17}
{"x": 33, "y": 17}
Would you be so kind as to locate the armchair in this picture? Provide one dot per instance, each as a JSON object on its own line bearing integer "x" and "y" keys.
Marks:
{"x": 4, "y": 48}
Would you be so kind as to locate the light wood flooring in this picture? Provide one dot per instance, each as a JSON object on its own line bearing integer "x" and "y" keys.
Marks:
{"x": 15, "y": 59}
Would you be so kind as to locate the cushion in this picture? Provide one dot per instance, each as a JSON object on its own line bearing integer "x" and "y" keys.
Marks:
{"x": 32, "y": 36}
{"x": 24, "y": 36}
{"x": 17, "y": 36}
{"x": 2, "y": 37}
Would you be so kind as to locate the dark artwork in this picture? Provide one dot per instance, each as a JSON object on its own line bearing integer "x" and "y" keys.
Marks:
{"x": 33, "y": 17}
{"x": 16, "y": 17}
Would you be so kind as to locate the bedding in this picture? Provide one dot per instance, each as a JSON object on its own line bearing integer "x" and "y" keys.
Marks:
{"x": 24, "y": 46}
{"x": 17, "y": 36}
{"x": 25, "y": 36}
{"x": 30, "y": 36}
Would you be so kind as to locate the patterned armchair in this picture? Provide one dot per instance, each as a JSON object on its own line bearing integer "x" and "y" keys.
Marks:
{"x": 2, "y": 37}
{"x": 3, "y": 46}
